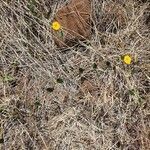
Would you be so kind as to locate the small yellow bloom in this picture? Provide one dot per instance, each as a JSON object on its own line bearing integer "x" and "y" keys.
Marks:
{"x": 127, "y": 59}
{"x": 56, "y": 25}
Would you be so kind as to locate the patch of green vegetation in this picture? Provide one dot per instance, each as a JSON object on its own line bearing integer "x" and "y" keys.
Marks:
{"x": 62, "y": 34}
{"x": 60, "y": 80}
{"x": 37, "y": 104}
{"x": 81, "y": 70}
{"x": 132, "y": 92}
{"x": 50, "y": 89}
{"x": 1, "y": 140}
{"x": 15, "y": 63}
{"x": 83, "y": 79}
{"x": 31, "y": 6}
{"x": 7, "y": 78}
{"x": 94, "y": 66}
{"x": 1, "y": 109}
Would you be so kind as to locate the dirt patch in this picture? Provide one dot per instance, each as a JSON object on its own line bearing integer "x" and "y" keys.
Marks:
{"x": 75, "y": 21}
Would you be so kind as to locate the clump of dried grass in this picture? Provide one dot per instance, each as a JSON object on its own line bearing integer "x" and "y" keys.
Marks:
{"x": 82, "y": 97}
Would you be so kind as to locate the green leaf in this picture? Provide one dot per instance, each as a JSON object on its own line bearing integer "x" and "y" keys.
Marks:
{"x": 59, "y": 80}
{"x": 62, "y": 34}
{"x": 94, "y": 66}
{"x": 8, "y": 78}
{"x": 1, "y": 140}
{"x": 37, "y": 104}
{"x": 81, "y": 70}
{"x": 132, "y": 92}
{"x": 50, "y": 89}
{"x": 31, "y": 6}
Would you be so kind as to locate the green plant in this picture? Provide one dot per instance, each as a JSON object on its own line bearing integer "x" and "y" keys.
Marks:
{"x": 7, "y": 78}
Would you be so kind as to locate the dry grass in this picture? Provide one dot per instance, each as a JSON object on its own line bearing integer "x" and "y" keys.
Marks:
{"x": 79, "y": 98}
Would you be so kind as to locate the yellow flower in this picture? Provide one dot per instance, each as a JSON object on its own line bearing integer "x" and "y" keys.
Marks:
{"x": 127, "y": 59}
{"x": 56, "y": 26}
